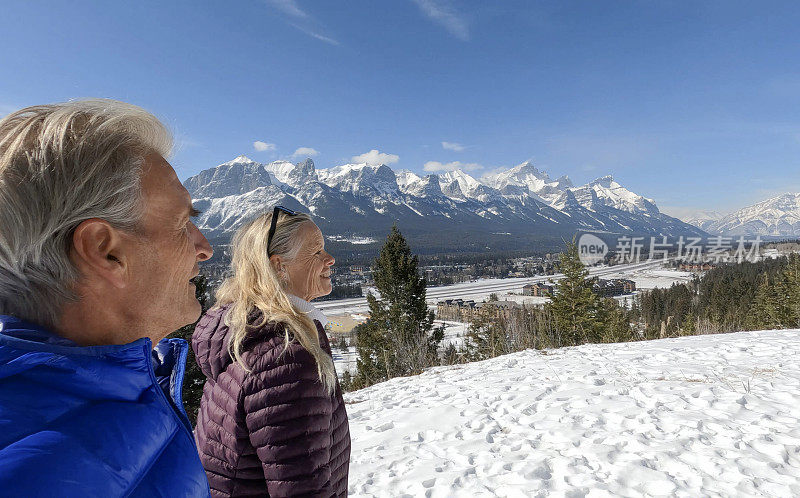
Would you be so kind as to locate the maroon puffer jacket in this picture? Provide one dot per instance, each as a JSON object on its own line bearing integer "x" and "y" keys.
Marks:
{"x": 273, "y": 431}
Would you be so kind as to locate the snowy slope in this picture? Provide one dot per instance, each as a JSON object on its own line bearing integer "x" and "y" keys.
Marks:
{"x": 703, "y": 219}
{"x": 294, "y": 175}
{"x": 694, "y": 416}
{"x": 405, "y": 178}
{"x": 529, "y": 177}
{"x": 468, "y": 186}
{"x": 776, "y": 216}
{"x": 610, "y": 193}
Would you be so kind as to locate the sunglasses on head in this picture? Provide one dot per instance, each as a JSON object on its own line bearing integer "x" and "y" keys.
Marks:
{"x": 274, "y": 222}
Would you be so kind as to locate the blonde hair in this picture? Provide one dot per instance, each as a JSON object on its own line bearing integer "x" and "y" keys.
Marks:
{"x": 255, "y": 285}
{"x": 62, "y": 164}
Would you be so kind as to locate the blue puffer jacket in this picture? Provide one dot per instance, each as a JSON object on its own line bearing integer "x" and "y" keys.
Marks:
{"x": 93, "y": 421}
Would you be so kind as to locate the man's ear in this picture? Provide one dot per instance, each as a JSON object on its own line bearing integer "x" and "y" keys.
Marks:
{"x": 97, "y": 250}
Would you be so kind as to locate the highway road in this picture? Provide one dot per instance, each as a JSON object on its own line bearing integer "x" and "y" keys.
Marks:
{"x": 479, "y": 289}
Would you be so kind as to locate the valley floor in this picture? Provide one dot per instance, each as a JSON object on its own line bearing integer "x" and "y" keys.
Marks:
{"x": 694, "y": 416}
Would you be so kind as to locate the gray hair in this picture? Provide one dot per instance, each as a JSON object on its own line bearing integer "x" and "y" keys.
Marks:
{"x": 60, "y": 165}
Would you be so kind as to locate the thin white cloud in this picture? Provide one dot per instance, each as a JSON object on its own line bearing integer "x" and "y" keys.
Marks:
{"x": 434, "y": 166}
{"x": 490, "y": 174}
{"x": 441, "y": 12}
{"x": 305, "y": 152}
{"x": 263, "y": 146}
{"x": 375, "y": 157}
{"x": 456, "y": 147}
{"x": 289, "y": 7}
{"x": 302, "y": 20}
{"x": 314, "y": 34}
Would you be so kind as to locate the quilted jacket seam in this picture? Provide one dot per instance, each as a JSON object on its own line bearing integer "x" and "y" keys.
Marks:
{"x": 152, "y": 462}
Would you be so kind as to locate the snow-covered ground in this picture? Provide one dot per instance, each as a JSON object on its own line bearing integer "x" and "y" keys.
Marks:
{"x": 353, "y": 240}
{"x": 344, "y": 361}
{"x": 694, "y": 416}
{"x": 650, "y": 278}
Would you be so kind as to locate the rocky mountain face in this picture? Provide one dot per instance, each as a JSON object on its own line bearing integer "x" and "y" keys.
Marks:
{"x": 520, "y": 204}
{"x": 777, "y": 217}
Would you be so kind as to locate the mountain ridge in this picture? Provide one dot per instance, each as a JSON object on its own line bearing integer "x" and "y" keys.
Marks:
{"x": 775, "y": 217}
{"x": 364, "y": 199}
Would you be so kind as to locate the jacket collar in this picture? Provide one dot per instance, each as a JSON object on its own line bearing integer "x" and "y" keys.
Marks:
{"x": 163, "y": 365}
{"x": 305, "y": 307}
{"x": 12, "y": 326}
{"x": 30, "y": 336}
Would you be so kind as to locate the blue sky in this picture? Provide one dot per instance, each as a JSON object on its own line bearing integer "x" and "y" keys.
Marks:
{"x": 693, "y": 103}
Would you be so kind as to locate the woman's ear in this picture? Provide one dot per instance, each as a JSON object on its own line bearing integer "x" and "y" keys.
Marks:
{"x": 277, "y": 263}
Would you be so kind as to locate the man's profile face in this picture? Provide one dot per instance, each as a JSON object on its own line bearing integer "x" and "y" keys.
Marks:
{"x": 166, "y": 253}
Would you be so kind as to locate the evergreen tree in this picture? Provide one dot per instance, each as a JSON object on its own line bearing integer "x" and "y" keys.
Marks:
{"x": 743, "y": 296}
{"x": 575, "y": 306}
{"x": 347, "y": 381}
{"x": 487, "y": 336}
{"x": 616, "y": 324}
{"x": 764, "y": 310}
{"x": 791, "y": 292}
{"x": 399, "y": 337}
{"x": 193, "y": 378}
{"x": 451, "y": 355}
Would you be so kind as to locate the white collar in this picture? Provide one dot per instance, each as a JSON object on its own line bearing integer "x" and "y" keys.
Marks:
{"x": 305, "y": 307}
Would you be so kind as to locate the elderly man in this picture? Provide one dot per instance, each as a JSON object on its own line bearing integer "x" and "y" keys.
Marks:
{"x": 97, "y": 253}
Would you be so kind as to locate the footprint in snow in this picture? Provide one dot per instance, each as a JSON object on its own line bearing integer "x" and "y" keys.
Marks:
{"x": 384, "y": 427}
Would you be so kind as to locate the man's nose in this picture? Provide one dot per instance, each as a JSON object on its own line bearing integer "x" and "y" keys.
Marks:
{"x": 203, "y": 248}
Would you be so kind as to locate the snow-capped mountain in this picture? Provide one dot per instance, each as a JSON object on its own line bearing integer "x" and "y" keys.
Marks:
{"x": 291, "y": 174}
{"x": 703, "y": 219}
{"x": 468, "y": 187}
{"x": 527, "y": 176}
{"x": 405, "y": 177}
{"x": 778, "y": 216}
{"x": 363, "y": 199}
{"x": 606, "y": 192}
{"x": 234, "y": 177}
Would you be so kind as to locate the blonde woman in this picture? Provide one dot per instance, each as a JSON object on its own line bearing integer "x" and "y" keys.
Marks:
{"x": 272, "y": 421}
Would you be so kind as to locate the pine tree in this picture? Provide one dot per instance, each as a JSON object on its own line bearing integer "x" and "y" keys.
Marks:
{"x": 575, "y": 306}
{"x": 193, "y": 378}
{"x": 487, "y": 336}
{"x": 399, "y": 337}
{"x": 616, "y": 324}
{"x": 791, "y": 289}
{"x": 764, "y": 310}
{"x": 451, "y": 355}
